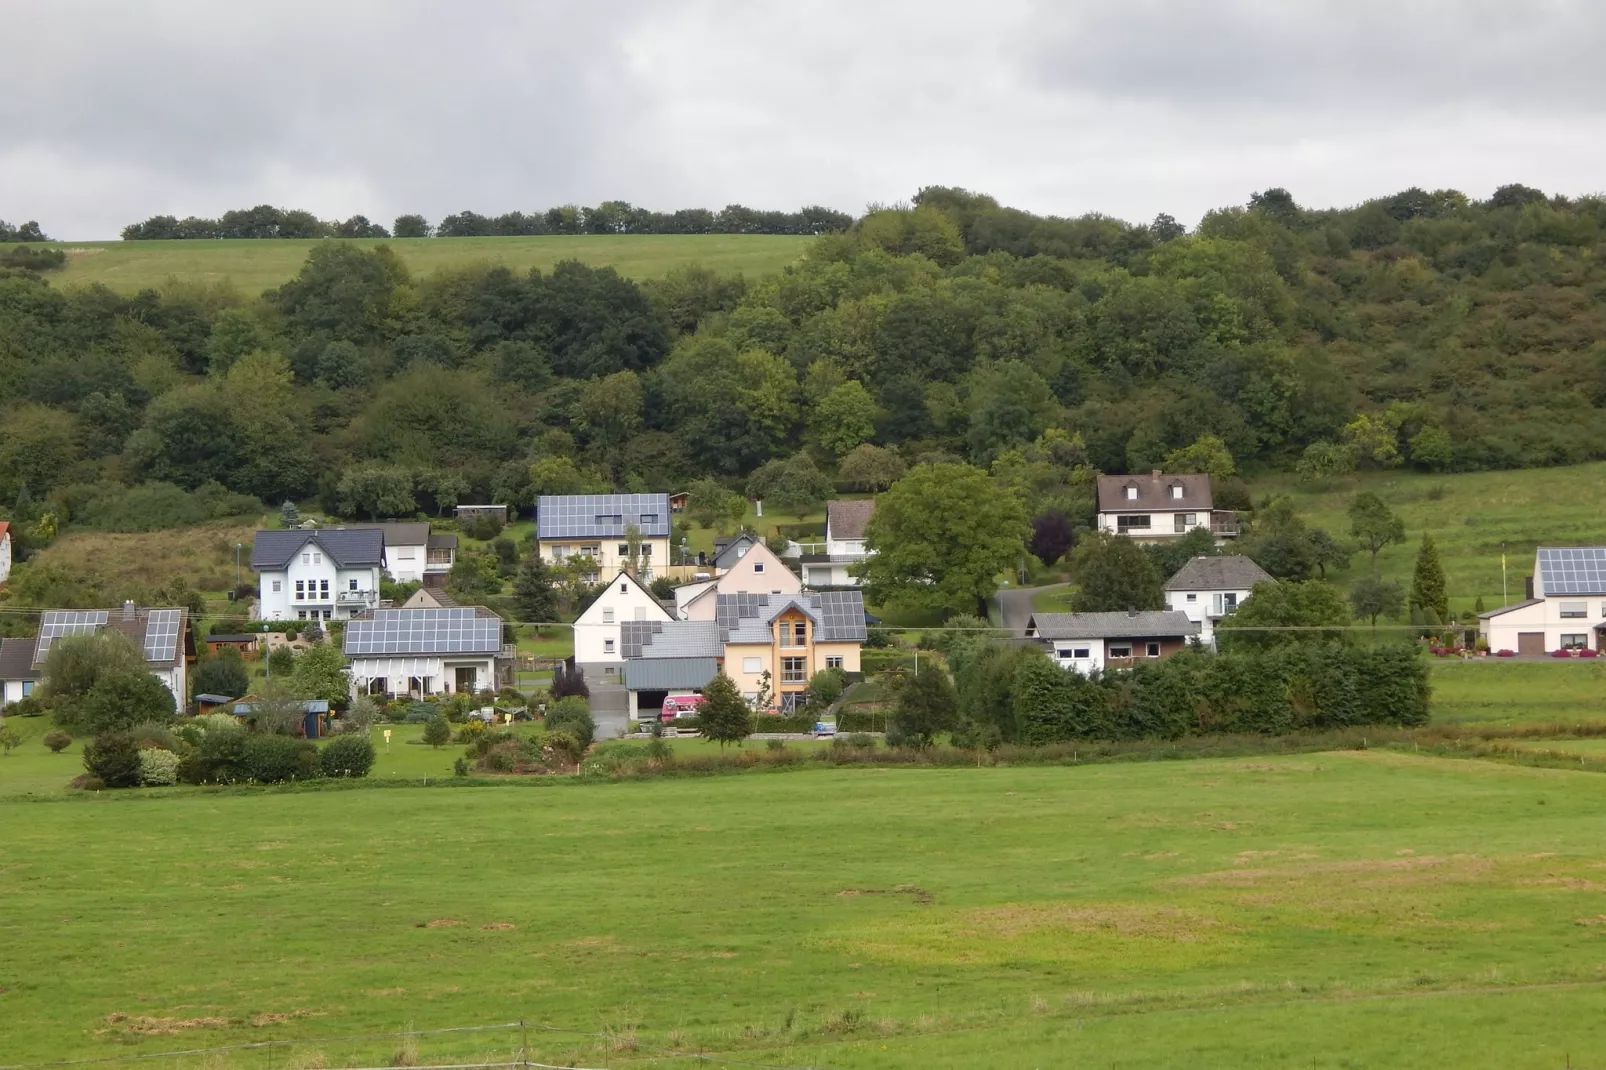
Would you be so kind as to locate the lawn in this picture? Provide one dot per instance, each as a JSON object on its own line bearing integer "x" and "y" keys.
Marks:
{"x": 1470, "y": 516}
{"x": 1354, "y": 909}
{"x": 257, "y": 265}
{"x": 1506, "y": 693}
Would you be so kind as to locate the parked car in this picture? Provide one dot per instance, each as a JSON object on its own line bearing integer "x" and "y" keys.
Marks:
{"x": 682, "y": 706}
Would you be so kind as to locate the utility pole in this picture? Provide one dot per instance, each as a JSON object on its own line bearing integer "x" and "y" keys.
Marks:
{"x": 237, "y": 548}
{"x": 1505, "y": 599}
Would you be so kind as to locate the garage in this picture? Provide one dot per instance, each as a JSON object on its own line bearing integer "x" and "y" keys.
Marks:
{"x": 1531, "y": 643}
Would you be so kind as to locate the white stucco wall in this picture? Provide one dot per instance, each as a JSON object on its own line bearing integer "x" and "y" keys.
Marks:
{"x": 1205, "y": 607}
{"x": 1502, "y": 630}
{"x": 1162, "y": 525}
{"x": 609, "y": 559}
{"x": 598, "y": 626}
{"x": 313, "y": 568}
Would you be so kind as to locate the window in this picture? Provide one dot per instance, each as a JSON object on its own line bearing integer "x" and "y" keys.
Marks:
{"x": 1186, "y": 521}
{"x": 301, "y": 614}
{"x": 624, "y": 588}
{"x": 649, "y": 519}
{"x": 278, "y": 585}
{"x": 607, "y": 646}
{"x": 753, "y": 665}
{"x": 646, "y": 549}
{"x": 801, "y": 632}
{"x": 834, "y": 661}
{"x": 1574, "y": 642}
{"x": 1176, "y": 491}
{"x": 351, "y": 585}
{"x": 1193, "y": 598}
{"x": 610, "y": 670}
{"x": 1570, "y": 610}
{"x": 758, "y": 566}
{"x": 306, "y": 558}
{"x": 1132, "y": 523}
{"x": 1082, "y": 653}
{"x": 1154, "y": 650}
{"x": 1131, "y": 494}
{"x": 407, "y": 553}
{"x": 607, "y": 616}
{"x": 27, "y": 688}
{"x": 301, "y": 589}
{"x": 624, "y": 549}
{"x": 317, "y": 559}
{"x": 794, "y": 671}
{"x": 1121, "y": 651}
{"x": 323, "y": 588}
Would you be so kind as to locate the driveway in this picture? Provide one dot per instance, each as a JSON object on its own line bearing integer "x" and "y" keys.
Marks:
{"x": 1015, "y": 605}
{"x": 610, "y": 703}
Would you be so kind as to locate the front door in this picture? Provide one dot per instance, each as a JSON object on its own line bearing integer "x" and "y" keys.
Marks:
{"x": 1531, "y": 643}
{"x": 465, "y": 678}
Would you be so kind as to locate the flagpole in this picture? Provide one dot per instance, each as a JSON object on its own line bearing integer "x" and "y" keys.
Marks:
{"x": 1505, "y": 599}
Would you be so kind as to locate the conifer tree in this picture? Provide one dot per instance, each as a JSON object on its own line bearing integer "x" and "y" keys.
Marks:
{"x": 1428, "y": 589}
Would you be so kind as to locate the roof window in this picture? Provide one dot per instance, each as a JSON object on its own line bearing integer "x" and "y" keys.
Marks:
{"x": 1131, "y": 492}
{"x": 1176, "y": 491}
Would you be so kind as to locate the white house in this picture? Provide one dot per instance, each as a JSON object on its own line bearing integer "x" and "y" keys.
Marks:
{"x": 1208, "y": 588}
{"x": 1566, "y": 609}
{"x": 597, "y": 649}
{"x": 420, "y": 652}
{"x": 1159, "y": 506}
{"x": 1094, "y": 641}
{"x": 5, "y": 551}
{"x": 324, "y": 574}
{"x": 756, "y": 570}
{"x": 163, "y": 635}
{"x": 412, "y": 553}
{"x": 593, "y": 527}
{"x": 845, "y": 546}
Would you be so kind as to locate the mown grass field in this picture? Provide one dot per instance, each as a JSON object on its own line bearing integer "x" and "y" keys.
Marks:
{"x": 1335, "y": 910}
{"x": 256, "y": 265}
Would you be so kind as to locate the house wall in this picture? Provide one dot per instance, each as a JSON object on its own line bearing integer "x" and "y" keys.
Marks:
{"x": 745, "y": 663}
{"x": 406, "y": 563}
{"x": 1206, "y": 608}
{"x": 313, "y": 567}
{"x": 835, "y": 574}
{"x": 596, "y": 631}
{"x": 440, "y": 683}
{"x": 607, "y": 554}
{"x": 1086, "y": 655}
{"x": 5, "y": 557}
{"x": 1162, "y": 525}
{"x": 1502, "y": 631}
{"x": 758, "y": 571}
{"x": 14, "y": 690}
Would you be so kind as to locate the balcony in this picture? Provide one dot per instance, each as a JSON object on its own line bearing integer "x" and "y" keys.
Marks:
{"x": 439, "y": 561}
{"x": 357, "y": 598}
{"x": 1225, "y": 524}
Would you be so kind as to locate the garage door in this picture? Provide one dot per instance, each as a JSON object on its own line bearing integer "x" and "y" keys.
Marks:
{"x": 1530, "y": 642}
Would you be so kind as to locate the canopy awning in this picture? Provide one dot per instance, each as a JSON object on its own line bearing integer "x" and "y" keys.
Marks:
{"x": 395, "y": 668}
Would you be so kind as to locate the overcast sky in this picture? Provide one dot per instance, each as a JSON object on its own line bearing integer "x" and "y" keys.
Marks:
{"x": 113, "y": 112}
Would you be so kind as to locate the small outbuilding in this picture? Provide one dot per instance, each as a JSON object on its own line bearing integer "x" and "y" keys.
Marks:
{"x": 314, "y": 719}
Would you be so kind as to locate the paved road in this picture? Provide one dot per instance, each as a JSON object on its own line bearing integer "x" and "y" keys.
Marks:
{"x": 1015, "y": 605}
{"x": 610, "y": 704}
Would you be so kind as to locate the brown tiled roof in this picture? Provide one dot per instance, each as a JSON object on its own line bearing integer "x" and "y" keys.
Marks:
{"x": 1154, "y": 493}
{"x": 16, "y": 659}
{"x": 848, "y": 518}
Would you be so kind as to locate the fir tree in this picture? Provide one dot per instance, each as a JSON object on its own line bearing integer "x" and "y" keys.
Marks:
{"x": 1428, "y": 590}
{"x": 535, "y": 599}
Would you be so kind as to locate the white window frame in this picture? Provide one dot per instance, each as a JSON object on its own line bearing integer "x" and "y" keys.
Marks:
{"x": 1575, "y": 641}
{"x": 1176, "y": 492}
{"x": 1153, "y": 650}
{"x": 607, "y": 616}
{"x": 1131, "y": 494}
{"x": 278, "y": 585}
{"x": 833, "y": 661}
{"x": 607, "y": 646}
{"x": 1574, "y": 611}
{"x": 753, "y": 665}
{"x": 1193, "y": 597}
{"x": 1118, "y": 651}
{"x": 1081, "y": 653}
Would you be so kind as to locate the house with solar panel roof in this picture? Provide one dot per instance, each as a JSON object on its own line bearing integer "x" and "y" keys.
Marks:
{"x": 1565, "y": 608}
{"x": 420, "y": 652}
{"x": 163, "y": 635}
{"x": 597, "y": 528}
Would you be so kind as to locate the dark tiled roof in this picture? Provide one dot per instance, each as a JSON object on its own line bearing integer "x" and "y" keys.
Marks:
{"x": 1507, "y": 609}
{"x": 670, "y": 639}
{"x": 1154, "y": 493}
{"x": 242, "y": 637}
{"x": 1140, "y": 625}
{"x": 442, "y": 542}
{"x": 848, "y": 518}
{"x": 347, "y": 547}
{"x": 661, "y": 674}
{"x": 396, "y": 532}
{"x": 1230, "y": 573}
{"x": 16, "y": 660}
{"x": 745, "y": 618}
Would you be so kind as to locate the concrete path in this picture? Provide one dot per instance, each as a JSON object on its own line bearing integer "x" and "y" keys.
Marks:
{"x": 1015, "y": 605}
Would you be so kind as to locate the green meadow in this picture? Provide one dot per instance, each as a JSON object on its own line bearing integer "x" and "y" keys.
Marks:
{"x": 1372, "y": 908}
{"x": 256, "y": 265}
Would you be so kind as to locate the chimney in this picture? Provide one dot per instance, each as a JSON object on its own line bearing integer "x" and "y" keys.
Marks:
{"x": 1131, "y": 612}
{"x": 128, "y": 610}
{"x": 1528, "y": 587}
{"x": 1158, "y": 473}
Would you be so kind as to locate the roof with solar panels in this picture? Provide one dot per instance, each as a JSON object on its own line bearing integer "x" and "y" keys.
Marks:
{"x": 1569, "y": 570}
{"x": 162, "y": 634}
{"x": 601, "y": 516}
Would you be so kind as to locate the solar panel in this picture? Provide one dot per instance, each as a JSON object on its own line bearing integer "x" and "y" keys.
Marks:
{"x": 1573, "y": 570}
{"x": 458, "y": 630}
{"x": 161, "y": 634}
{"x": 55, "y": 623}
{"x": 582, "y": 516}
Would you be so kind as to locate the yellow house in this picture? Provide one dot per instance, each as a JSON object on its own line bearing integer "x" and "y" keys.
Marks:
{"x": 791, "y": 637}
{"x": 597, "y": 528}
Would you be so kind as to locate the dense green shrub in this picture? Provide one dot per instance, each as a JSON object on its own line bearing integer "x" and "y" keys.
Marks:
{"x": 220, "y": 757}
{"x": 347, "y": 756}
{"x": 158, "y": 767}
{"x": 57, "y": 741}
{"x": 572, "y": 715}
{"x": 438, "y": 730}
{"x": 113, "y": 759}
{"x": 122, "y": 699}
{"x": 273, "y": 759}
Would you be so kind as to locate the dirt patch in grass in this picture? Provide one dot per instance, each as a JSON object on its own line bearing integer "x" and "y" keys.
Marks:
{"x": 497, "y": 926}
{"x": 1126, "y": 920}
{"x": 918, "y": 895}
{"x": 440, "y": 923}
{"x": 1369, "y": 872}
{"x": 148, "y": 1026}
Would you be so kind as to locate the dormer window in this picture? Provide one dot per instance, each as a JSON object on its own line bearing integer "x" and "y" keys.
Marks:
{"x": 1176, "y": 491}
{"x": 1131, "y": 493}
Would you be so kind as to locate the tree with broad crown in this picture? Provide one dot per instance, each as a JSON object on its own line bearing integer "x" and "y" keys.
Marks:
{"x": 1374, "y": 524}
{"x": 870, "y": 467}
{"x": 1428, "y": 588}
{"x": 1114, "y": 574}
{"x": 535, "y": 599}
{"x": 844, "y": 418}
{"x": 1052, "y": 537}
{"x": 321, "y": 672}
{"x": 1372, "y": 597}
{"x": 1171, "y": 554}
{"x": 724, "y": 716}
{"x": 1208, "y": 454}
{"x": 224, "y": 675}
{"x": 1314, "y": 611}
{"x": 940, "y": 538}
{"x": 926, "y": 705}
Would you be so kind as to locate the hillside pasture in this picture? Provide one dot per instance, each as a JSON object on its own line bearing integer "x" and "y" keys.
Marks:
{"x": 1361, "y": 908}
{"x": 255, "y": 265}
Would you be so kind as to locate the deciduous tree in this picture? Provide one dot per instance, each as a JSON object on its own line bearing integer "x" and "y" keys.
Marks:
{"x": 1372, "y": 596}
{"x": 725, "y": 716}
{"x": 1374, "y": 524}
{"x": 1112, "y": 574}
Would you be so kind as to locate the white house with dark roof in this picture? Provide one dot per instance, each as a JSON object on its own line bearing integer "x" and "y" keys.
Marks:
{"x": 1564, "y": 610}
{"x": 413, "y": 554}
{"x": 1160, "y": 506}
{"x": 597, "y": 649}
{"x": 162, "y": 635}
{"x": 594, "y": 527}
{"x": 1208, "y": 588}
{"x": 419, "y": 652}
{"x": 5, "y": 551}
{"x": 323, "y": 574}
{"x": 1087, "y": 642}
{"x": 845, "y": 546}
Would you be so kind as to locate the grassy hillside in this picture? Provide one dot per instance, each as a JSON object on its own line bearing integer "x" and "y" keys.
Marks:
{"x": 257, "y": 265}
{"x": 1283, "y": 911}
{"x": 1470, "y": 516}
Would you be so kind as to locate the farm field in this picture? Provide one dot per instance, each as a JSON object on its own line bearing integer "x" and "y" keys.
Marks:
{"x": 1348, "y": 909}
{"x": 257, "y": 265}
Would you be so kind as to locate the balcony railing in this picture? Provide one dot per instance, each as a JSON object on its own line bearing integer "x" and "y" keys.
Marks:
{"x": 357, "y": 598}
